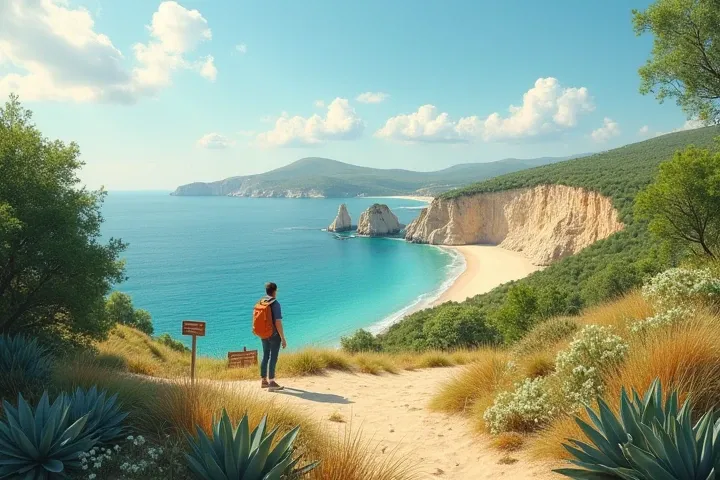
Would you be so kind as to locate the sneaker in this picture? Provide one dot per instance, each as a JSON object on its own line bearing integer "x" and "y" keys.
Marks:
{"x": 264, "y": 383}
{"x": 274, "y": 387}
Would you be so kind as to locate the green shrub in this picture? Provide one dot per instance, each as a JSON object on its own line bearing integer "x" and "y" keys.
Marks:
{"x": 611, "y": 282}
{"x": 518, "y": 313}
{"x": 360, "y": 341}
{"x": 119, "y": 309}
{"x": 652, "y": 439}
{"x": 43, "y": 444}
{"x": 682, "y": 287}
{"x": 546, "y": 334}
{"x": 459, "y": 327}
{"x": 580, "y": 367}
{"x": 234, "y": 452}
{"x": 526, "y": 408}
{"x": 170, "y": 342}
{"x": 25, "y": 366}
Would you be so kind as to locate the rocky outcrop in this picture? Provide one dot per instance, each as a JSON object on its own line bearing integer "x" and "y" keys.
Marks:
{"x": 342, "y": 221}
{"x": 546, "y": 223}
{"x": 378, "y": 221}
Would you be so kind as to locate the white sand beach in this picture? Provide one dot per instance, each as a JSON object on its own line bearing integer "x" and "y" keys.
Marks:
{"x": 392, "y": 412}
{"x": 486, "y": 267}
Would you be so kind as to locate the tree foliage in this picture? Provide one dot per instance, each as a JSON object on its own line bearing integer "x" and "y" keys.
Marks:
{"x": 119, "y": 309}
{"x": 685, "y": 59}
{"x": 54, "y": 268}
{"x": 683, "y": 204}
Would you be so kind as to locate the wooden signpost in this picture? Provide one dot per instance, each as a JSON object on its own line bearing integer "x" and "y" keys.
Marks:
{"x": 196, "y": 329}
{"x": 246, "y": 358}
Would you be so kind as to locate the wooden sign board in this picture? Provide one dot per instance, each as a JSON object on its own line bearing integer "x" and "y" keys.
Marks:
{"x": 246, "y": 358}
{"x": 196, "y": 329}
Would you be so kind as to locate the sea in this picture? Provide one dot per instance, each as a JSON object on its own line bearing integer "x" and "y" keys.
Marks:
{"x": 208, "y": 258}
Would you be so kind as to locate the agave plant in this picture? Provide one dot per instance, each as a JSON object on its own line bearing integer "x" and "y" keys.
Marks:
{"x": 41, "y": 444}
{"x": 652, "y": 440}
{"x": 237, "y": 454}
{"x": 104, "y": 415}
{"x": 24, "y": 363}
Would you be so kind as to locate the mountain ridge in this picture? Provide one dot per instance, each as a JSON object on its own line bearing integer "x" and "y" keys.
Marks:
{"x": 324, "y": 177}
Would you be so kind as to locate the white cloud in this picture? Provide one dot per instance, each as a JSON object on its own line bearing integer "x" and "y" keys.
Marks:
{"x": 609, "y": 130}
{"x": 547, "y": 107}
{"x": 319, "y": 104}
{"x": 215, "y": 141}
{"x": 691, "y": 124}
{"x": 208, "y": 69}
{"x": 241, "y": 48}
{"x": 372, "y": 97}
{"x": 247, "y": 133}
{"x": 54, "y": 53}
{"x": 340, "y": 123}
{"x": 644, "y": 131}
{"x": 427, "y": 125}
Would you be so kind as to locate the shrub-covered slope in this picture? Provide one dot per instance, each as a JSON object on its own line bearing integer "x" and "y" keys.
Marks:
{"x": 603, "y": 270}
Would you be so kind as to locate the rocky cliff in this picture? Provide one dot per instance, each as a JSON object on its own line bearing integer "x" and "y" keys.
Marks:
{"x": 546, "y": 223}
{"x": 342, "y": 222}
{"x": 377, "y": 221}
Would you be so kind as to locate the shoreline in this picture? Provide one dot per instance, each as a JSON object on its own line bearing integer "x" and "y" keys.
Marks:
{"x": 474, "y": 270}
{"x": 416, "y": 198}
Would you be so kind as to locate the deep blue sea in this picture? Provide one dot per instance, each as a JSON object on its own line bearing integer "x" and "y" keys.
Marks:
{"x": 208, "y": 258}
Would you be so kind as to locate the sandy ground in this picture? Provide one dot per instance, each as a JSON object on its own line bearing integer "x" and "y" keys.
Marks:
{"x": 486, "y": 267}
{"x": 391, "y": 411}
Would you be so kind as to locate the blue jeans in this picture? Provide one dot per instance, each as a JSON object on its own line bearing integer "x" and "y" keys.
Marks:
{"x": 271, "y": 349}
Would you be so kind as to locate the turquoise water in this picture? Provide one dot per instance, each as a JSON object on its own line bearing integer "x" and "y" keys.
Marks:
{"x": 207, "y": 258}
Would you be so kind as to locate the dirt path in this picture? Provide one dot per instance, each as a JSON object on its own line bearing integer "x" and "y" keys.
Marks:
{"x": 392, "y": 410}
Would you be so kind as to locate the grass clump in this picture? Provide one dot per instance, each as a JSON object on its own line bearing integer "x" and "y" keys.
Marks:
{"x": 546, "y": 334}
{"x": 336, "y": 417}
{"x": 508, "y": 441}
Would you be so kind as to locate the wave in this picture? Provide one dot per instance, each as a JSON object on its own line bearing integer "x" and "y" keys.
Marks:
{"x": 454, "y": 270}
{"x": 411, "y": 208}
{"x": 288, "y": 229}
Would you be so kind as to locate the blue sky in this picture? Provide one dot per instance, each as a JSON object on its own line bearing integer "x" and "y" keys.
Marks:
{"x": 163, "y": 93}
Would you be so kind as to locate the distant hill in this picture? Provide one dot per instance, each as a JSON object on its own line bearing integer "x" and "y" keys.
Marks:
{"x": 322, "y": 177}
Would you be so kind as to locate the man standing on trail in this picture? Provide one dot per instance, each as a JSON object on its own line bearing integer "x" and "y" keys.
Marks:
{"x": 267, "y": 324}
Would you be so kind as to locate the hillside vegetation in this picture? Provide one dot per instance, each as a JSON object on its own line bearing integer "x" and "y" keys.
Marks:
{"x": 602, "y": 271}
{"x": 309, "y": 177}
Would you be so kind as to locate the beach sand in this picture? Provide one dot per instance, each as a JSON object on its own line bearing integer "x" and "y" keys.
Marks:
{"x": 486, "y": 267}
{"x": 392, "y": 412}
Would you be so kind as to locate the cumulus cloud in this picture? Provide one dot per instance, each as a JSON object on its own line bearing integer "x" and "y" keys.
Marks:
{"x": 691, "y": 124}
{"x": 547, "y": 107}
{"x": 319, "y": 104}
{"x": 215, "y": 141}
{"x": 372, "y": 97}
{"x": 241, "y": 48}
{"x": 340, "y": 123}
{"x": 54, "y": 53}
{"x": 427, "y": 125}
{"x": 644, "y": 131}
{"x": 609, "y": 130}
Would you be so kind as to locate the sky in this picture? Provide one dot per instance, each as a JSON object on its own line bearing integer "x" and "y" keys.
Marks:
{"x": 162, "y": 93}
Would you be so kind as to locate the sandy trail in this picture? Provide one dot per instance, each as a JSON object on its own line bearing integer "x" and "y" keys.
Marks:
{"x": 392, "y": 411}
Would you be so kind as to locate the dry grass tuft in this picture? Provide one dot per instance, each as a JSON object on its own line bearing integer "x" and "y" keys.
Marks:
{"x": 508, "y": 441}
{"x": 336, "y": 417}
{"x": 618, "y": 313}
{"x": 539, "y": 364}
{"x": 684, "y": 357}
{"x": 474, "y": 384}
{"x": 435, "y": 360}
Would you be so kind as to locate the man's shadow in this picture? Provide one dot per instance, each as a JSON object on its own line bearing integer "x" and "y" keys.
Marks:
{"x": 315, "y": 396}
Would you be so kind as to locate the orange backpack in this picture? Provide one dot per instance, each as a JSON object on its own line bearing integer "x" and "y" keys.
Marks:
{"x": 262, "y": 319}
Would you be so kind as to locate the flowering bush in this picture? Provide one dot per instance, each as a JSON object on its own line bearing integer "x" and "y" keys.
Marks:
{"x": 682, "y": 286}
{"x": 579, "y": 368}
{"x": 135, "y": 459}
{"x": 524, "y": 409}
{"x": 662, "y": 319}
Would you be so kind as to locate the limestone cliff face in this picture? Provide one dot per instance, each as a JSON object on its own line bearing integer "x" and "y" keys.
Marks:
{"x": 546, "y": 223}
{"x": 377, "y": 221}
{"x": 342, "y": 221}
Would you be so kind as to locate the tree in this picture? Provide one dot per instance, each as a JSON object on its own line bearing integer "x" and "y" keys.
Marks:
{"x": 54, "y": 269}
{"x": 685, "y": 59}
{"x": 119, "y": 309}
{"x": 360, "y": 341}
{"x": 518, "y": 313}
{"x": 458, "y": 326}
{"x": 683, "y": 202}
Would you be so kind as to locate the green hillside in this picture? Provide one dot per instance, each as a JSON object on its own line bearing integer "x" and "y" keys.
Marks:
{"x": 601, "y": 271}
{"x": 330, "y": 178}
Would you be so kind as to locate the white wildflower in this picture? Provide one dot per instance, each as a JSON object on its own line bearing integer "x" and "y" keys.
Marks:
{"x": 526, "y": 408}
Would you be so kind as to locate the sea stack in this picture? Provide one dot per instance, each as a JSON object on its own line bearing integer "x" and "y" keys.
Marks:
{"x": 342, "y": 221}
{"x": 378, "y": 221}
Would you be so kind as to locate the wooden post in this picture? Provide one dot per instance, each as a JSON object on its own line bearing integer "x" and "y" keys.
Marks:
{"x": 195, "y": 329}
{"x": 192, "y": 361}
